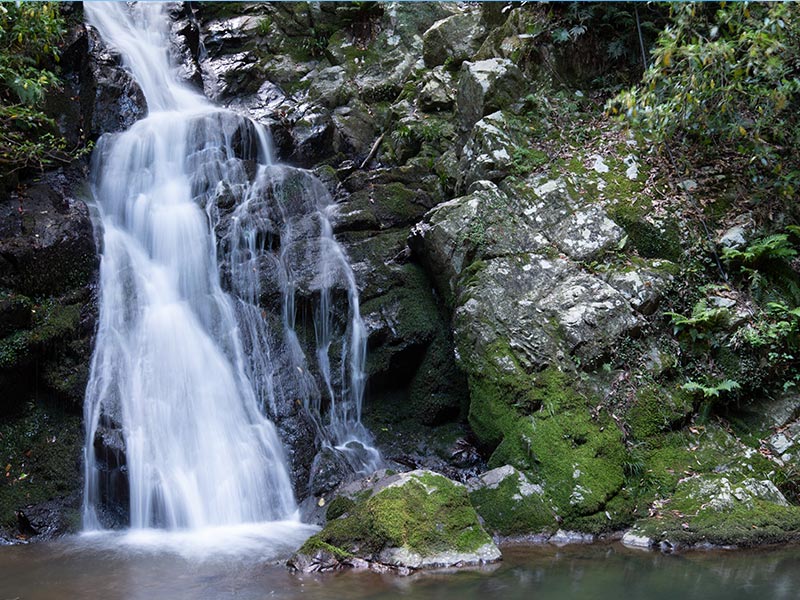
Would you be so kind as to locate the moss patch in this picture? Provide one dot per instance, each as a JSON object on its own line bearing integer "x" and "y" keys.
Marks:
{"x": 426, "y": 514}
{"x": 656, "y": 409}
{"x": 40, "y": 449}
{"x": 51, "y": 322}
{"x": 507, "y": 511}
{"x": 649, "y": 240}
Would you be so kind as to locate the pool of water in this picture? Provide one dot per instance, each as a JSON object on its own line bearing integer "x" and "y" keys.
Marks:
{"x": 150, "y": 567}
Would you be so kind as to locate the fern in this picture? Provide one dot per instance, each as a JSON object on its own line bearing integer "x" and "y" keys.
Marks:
{"x": 702, "y": 321}
{"x": 771, "y": 248}
{"x": 711, "y": 391}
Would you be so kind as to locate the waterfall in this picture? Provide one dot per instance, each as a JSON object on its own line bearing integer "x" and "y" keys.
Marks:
{"x": 187, "y": 363}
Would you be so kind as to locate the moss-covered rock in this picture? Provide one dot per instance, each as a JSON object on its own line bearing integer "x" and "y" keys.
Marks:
{"x": 511, "y": 505}
{"x": 720, "y": 510}
{"x": 410, "y": 520}
{"x": 40, "y": 447}
{"x": 656, "y": 409}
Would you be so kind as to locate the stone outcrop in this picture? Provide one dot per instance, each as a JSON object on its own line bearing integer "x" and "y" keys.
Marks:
{"x": 401, "y": 522}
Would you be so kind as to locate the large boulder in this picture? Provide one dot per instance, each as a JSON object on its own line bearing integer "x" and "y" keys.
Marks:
{"x": 46, "y": 239}
{"x": 510, "y": 504}
{"x": 486, "y": 86}
{"x": 453, "y": 40}
{"x": 403, "y": 522}
{"x": 491, "y": 149}
{"x": 112, "y": 101}
{"x": 436, "y": 91}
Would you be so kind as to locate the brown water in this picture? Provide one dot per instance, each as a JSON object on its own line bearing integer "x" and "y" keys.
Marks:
{"x": 87, "y": 569}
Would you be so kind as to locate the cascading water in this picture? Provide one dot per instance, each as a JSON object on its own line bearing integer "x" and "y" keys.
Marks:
{"x": 183, "y": 371}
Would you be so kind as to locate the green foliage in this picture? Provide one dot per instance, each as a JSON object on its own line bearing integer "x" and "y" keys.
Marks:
{"x": 763, "y": 251}
{"x": 725, "y": 75}
{"x": 612, "y": 26}
{"x": 702, "y": 322}
{"x": 359, "y": 17}
{"x": 712, "y": 390}
{"x": 765, "y": 263}
{"x": 29, "y": 36}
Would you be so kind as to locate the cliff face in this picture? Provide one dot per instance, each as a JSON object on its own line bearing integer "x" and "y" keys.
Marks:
{"x": 515, "y": 253}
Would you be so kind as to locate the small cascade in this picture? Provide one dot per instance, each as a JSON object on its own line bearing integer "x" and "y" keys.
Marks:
{"x": 209, "y": 254}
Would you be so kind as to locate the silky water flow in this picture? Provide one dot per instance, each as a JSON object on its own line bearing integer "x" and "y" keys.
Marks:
{"x": 184, "y": 371}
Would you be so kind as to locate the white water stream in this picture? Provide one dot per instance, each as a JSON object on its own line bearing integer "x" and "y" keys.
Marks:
{"x": 182, "y": 368}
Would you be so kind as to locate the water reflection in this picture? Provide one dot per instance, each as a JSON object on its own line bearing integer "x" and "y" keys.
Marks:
{"x": 132, "y": 569}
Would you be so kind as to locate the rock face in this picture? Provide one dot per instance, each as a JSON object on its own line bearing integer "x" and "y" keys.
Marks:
{"x": 402, "y": 522}
{"x": 48, "y": 266}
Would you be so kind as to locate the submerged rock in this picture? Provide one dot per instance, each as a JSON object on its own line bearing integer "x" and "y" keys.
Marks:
{"x": 404, "y": 522}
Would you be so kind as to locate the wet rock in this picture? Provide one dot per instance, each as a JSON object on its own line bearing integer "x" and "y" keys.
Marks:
{"x": 635, "y": 539}
{"x": 453, "y": 40}
{"x": 355, "y": 130}
{"x": 185, "y": 46}
{"x": 486, "y": 222}
{"x": 111, "y": 100}
{"x": 544, "y": 308}
{"x": 328, "y": 87}
{"x": 46, "y": 238}
{"x": 644, "y": 286}
{"x": 382, "y": 80}
{"x": 486, "y": 86}
{"x": 312, "y": 138}
{"x": 406, "y": 521}
{"x": 15, "y": 313}
{"x": 564, "y": 538}
{"x": 230, "y": 75}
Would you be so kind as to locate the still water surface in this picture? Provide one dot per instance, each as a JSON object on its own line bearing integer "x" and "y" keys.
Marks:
{"x": 133, "y": 569}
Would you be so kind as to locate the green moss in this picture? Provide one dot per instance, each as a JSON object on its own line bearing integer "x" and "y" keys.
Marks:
{"x": 411, "y": 311}
{"x": 339, "y": 506}
{"x": 690, "y": 519}
{"x": 506, "y": 511}
{"x": 52, "y": 322}
{"x": 656, "y": 409}
{"x": 438, "y": 390}
{"x": 542, "y": 426}
{"x": 40, "y": 449}
{"x": 648, "y": 239}
{"x": 426, "y": 515}
{"x": 314, "y": 544}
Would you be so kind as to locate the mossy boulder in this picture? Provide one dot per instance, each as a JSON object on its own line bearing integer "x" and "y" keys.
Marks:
{"x": 453, "y": 40}
{"x": 486, "y": 86}
{"x": 510, "y": 504}
{"x": 655, "y": 409}
{"x": 380, "y": 206}
{"x": 406, "y": 521}
{"x": 720, "y": 510}
{"x": 46, "y": 239}
{"x": 491, "y": 149}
